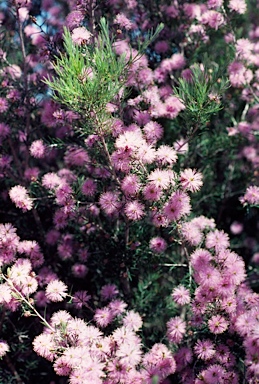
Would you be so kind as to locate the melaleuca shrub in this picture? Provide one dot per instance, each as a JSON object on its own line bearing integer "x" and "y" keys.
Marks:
{"x": 114, "y": 141}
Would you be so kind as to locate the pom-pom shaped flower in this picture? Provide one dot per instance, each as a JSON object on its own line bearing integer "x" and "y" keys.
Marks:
{"x": 134, "y": 210}
{"x": 56, "y": 291}
{"x": 81, "y": 35}
{"x": 176, "y": 329}
{"x": 38, "y": 149}
{"x": 191, "y": 180}
{"x": 204, "y": 349}
{"x": 181, "y": 295}
{"x": 157, "y": 244}
{"x": 20, "y": 198}
{"x": 218, "y": 324}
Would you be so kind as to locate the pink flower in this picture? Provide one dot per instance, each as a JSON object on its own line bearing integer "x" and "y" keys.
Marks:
{"x": 160, "y": 178}
{"x": 103, "y": 316}
{"x": 133, "y": 321}
{"x": 176, "y": 329}
{"x": 181, "y": 295}
{"x": 109, "y": 202}
{"x": 79, "y": 270}
{"x": 89, "y": 187}
{"x": 157, "y": 244}
{"x": 109, "y": 291}
{"x": 251, "y": 196}
{"x": 134, "y": 210}
{"x": 238, "y": 6}
{"x": 191, "y": 180}
{"x": 38, "y": 149}
{"x": 3, "y": 105}
{"x": 204, "y": 349}
{"x": 130, "y": 185}
{"x": 213, "y": 19}
{"x": 20, "y": 198}
{"x": 81, "y": 35}
{"x": 218, "y": 324}
{"x": 44, "y": 346}
{"x": 123, "y": 21}
{"x": 56, "y": 291}
{"x": 80, "y": 299}
{"x": 218, "y": 240}
{"x": 177, "y": 206}
{"x": 166, "y": 155}
{"x": 4, "y": 348}
{"x": 153, "y": 131}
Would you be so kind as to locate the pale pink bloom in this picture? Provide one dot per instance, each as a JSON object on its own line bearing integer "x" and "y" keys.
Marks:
{"x": 29, "y": 285}
{"x": 213, "y": 18}
{"x": 51, "y": 180}
{"x": 236, "y": 228}
{"x": 244, "y": 48}
{"x": 20, "y": 197}
{"x": 204, "y": 349}
{"x": 130, "y": 140}
{"x": 134, "y": 210}
{"x": 44, "y": 346}
{"x": 251, "y": 196}
{"x": 218, "y": 324}
{"x": 166, "y": 155}
{"x": 132, "y": 320}
{"x": 238, "y": 6}
{"x": 157, "y": 244}
{"x": 192, "y": 233}
{"x": 4, "y": 348}
{"x": 173, "y": 106}
{"x": 56, "y": 291}
{"x": 146, "y": 154}
{"x": 239, "y": 75}
{"x": 191, "y": 180}
{"x": 5, "y": 293}
{"x": 38, "y": 149}
{"x": 160, "y": 178}
{"x": 81, "y": 35}
{"x": 103, "y": 316}
{"x": 74, "y": 19}
{"x": 181, "y": 295}
{"x": 122, "y": 20}
{"x": 176, "y": 329}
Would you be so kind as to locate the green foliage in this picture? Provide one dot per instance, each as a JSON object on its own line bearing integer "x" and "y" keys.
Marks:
{"x": 201, "y": 96}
